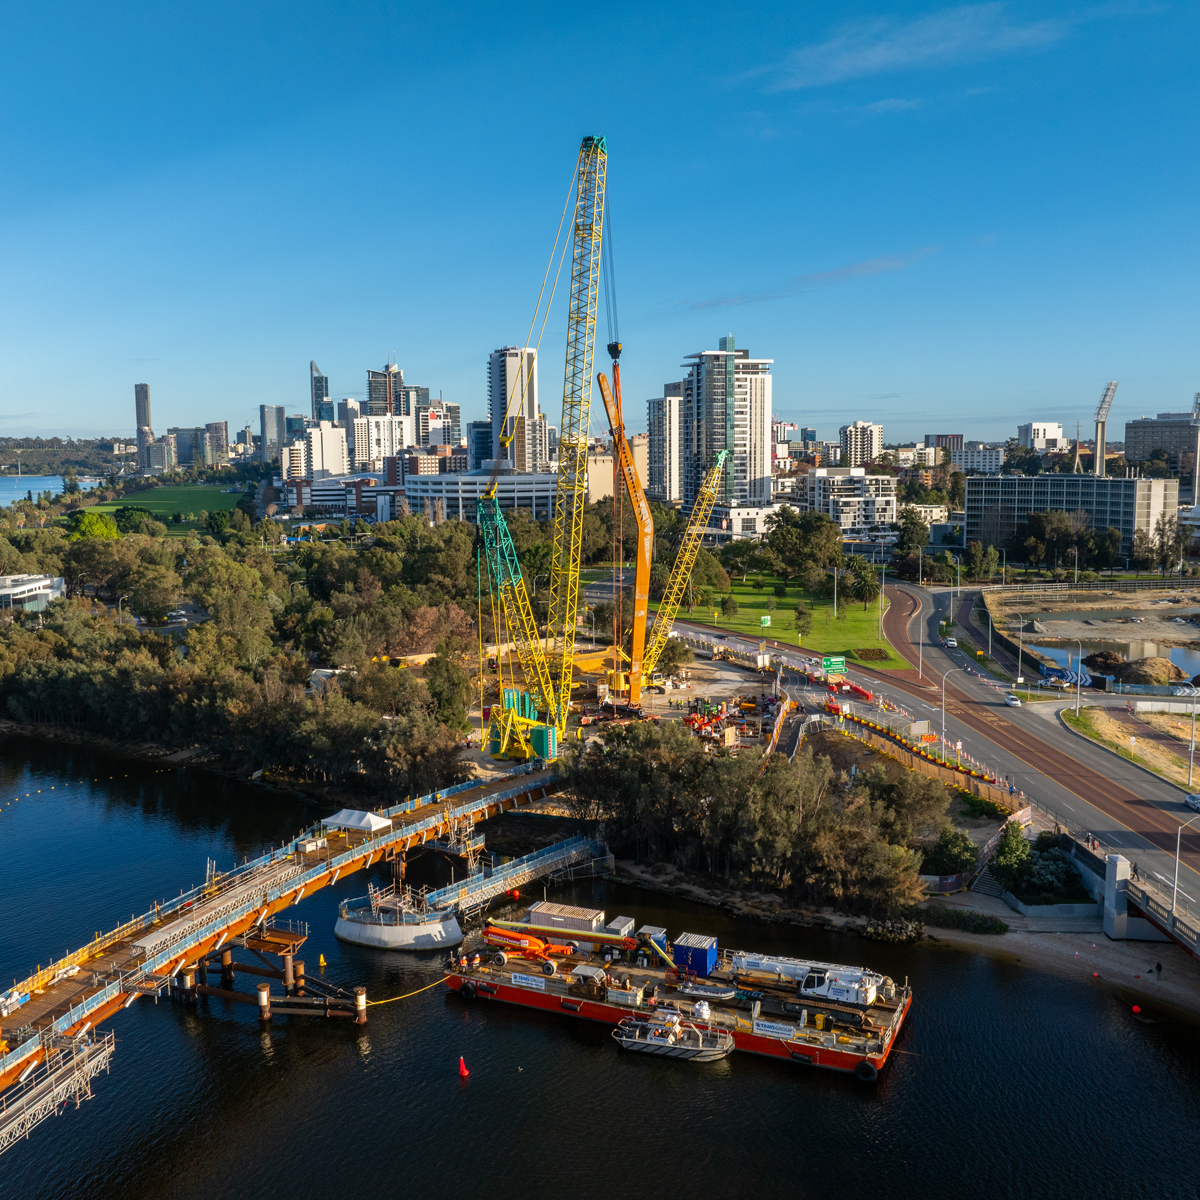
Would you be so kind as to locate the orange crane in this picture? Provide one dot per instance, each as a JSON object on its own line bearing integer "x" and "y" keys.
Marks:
{"x": 641, "y": 516}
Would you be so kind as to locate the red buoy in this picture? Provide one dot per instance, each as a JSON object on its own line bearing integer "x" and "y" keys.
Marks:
{"x": 462, "y": 1068}
{"x": 1095, "y": 974}
{"x": 1137, "y": 1008}
{"x": 516, "y": 894}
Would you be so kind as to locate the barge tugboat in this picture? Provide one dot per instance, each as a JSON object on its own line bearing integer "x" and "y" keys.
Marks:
{"x": 840, "y": 1018}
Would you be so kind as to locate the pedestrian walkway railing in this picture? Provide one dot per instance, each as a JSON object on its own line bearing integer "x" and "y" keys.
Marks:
{"x": 1096, "y": 585}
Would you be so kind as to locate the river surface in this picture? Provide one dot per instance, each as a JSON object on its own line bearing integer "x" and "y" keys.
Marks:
{"x": 1065, "y": 652}
{"x": 14, "y": 487}
{"x": 1012, "y": 1083}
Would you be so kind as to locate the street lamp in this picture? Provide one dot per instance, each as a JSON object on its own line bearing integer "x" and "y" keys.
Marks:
{"x": 119, "y": 603}
{"x": 1004, "y": 568}
{"x": 882, "y": 587}
{"x": 944, "y": 716}
{"x": 1178, "y": 837}
{"x": 592, "y": 618}
{"x": 1078, "y": 675}
{"x": 1020, "y": 649}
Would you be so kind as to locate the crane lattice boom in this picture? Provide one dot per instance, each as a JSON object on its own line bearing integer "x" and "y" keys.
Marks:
{"x": 685, "y": 560}
{"x": 576, "y": 409}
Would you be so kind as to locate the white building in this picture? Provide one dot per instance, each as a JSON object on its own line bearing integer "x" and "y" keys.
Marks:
{"x": 460, "y": 494}
{"x": 513, "y": 390}
{"x": 664, "y": 424}
{"x": 861, "y": 442}
{"x": 294, "y": 460}
{"x": 931, "y": 514}
{"x": 326, "y": 450}
{"x": 29, "y": 592}
{"x": 734, "y": 522}
{"x": 727, "y": 406}
{"x": 975, "y": 456}
{"x": 850, "y": 497}
{"x": 1042, "y": 435}
{"x": 916, "y": 456}
{"x": 377, "y": 438}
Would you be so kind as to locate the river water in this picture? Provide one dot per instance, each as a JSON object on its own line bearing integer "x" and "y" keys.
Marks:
{"x": 1012, "y": 1083}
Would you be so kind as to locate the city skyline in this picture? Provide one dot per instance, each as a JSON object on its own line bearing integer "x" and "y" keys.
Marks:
{"x": 954, "y": 206}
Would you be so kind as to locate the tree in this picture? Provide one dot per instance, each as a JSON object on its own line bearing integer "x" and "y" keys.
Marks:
{"x": 1143, "y": 551}
{"x": 154, "y": 591}
{"x": 1011, "y": 856}
{"x": 803, "y": 619}
{"x": 88, "y": 523}
{"x": 675, "y": 656}
{"x": 729, "y": 606}
{"x": 952, "y": 853}
{"x": 449, "y": 684}
{"x": 914, "y": 532}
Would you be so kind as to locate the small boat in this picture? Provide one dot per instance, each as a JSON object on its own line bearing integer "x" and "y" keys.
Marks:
{"x": 671, "y": 1038}
{"x": 707, "y": 991}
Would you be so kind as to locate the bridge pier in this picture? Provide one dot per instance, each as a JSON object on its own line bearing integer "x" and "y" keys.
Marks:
{"x": 264, "y": 1001}
{"x": 227, "y": 968}
{"x": 187, "y": 985}
{"x": 360, "y": 1006}
{"x": 289, "y": 978}
{"x": 298, "y": 972}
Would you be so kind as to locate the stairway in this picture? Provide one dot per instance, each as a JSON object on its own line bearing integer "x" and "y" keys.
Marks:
{"x": 987, "y": 884}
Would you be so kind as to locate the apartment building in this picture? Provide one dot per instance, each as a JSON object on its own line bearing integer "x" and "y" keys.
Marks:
{"x": 854, "y": 500}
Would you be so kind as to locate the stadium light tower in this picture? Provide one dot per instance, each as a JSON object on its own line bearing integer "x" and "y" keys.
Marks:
{"x": 1102, "y": 410}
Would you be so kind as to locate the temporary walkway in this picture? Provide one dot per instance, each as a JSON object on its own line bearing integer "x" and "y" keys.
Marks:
{"x": 68, "y": 999}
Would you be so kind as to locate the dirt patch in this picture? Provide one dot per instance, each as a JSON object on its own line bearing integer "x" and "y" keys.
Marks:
{"x": 1157, "y": 671}
{"x": 1104, "y": 662}
{"x": 1115, "y": 734}
{"x": 870, "y": 654}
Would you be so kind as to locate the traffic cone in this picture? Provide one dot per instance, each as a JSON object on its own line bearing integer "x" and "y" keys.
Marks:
{"x": 462, "y": 1069}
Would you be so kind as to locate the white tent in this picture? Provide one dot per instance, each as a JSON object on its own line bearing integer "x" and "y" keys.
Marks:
{"x": 353, "y": 818}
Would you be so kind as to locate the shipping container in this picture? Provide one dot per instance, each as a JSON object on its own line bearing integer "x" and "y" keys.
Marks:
{"x": 695, "y": 952}
{"x": 547, "y": 915}
{"x": 620, "y": 927}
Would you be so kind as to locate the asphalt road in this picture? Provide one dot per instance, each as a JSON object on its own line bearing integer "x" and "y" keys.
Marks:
{"x": 1086, "y": 785}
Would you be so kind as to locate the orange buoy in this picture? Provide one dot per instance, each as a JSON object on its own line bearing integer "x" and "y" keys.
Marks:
{"x": 462, "y": 1069}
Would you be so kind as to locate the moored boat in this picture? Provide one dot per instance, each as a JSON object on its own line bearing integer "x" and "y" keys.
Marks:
{"x": 672, "y": 1037}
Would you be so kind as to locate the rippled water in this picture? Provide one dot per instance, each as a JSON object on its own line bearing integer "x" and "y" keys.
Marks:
{"x": 1011, "y": 1083}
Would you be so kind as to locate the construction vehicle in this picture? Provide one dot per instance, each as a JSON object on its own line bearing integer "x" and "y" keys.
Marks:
{"x": 511, "y": 943}
{"x": 518, "y": 729}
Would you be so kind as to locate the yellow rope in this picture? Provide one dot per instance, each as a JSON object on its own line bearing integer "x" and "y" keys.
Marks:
{"x": 407, "y": 994}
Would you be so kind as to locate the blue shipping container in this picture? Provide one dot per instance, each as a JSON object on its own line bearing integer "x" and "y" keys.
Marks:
{"x": 696, "y": 953}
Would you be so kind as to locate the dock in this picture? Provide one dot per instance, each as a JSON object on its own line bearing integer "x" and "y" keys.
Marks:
{"x": 48, "y": 1021}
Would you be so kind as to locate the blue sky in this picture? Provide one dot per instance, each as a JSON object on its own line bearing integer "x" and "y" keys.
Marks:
{"x": 946, "y": 219}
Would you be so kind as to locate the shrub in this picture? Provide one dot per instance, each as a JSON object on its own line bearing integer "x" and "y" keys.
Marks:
{"x": 944, "y": 917}
{"x": 977, "y": 806}
{"x": 781, "y": 590}
{"x": 1012, "y": 855}
{"x": 952, "y": 852}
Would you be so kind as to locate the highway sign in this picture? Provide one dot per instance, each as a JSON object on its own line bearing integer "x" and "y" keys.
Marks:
{"x": 764, "y": 621}
{"x": 837, "y": 665}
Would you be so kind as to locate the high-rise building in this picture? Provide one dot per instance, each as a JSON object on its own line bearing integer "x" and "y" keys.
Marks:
{"x": 377, "y": 438}
{"x": 273, "y": 431}
{"x": 861, "y": 442}
{"x": 944, "y": 441}
{"x": 319, "y": 388}
{"x": 160, "y": 456}
{"x": 513, "y": 389}
{"x": 849, "y": 497}
{"x": 294, "y": 427}
{"x": 189, "y": 445}
{"x": 727, "y": 406}
{"x": 479, "y": 443}
{"x": 293, "y": 460}
{"x": 145, "y": 434}
{"x": 1176, "y": 433}
{"x": 325, "y": 450}
{"x": 407, "y": 397}
{"x": 1042, "y": 435}
{"x": 218, "y": 432}
{"x": 381, "y": 390}
{"x": 665, "y": 428}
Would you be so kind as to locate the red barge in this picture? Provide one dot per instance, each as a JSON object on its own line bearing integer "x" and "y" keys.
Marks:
{"x": 566, "y": 961}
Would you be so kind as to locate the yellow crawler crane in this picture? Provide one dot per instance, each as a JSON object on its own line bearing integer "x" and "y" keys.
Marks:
{"x": 685, "y": 560}
{"x": 515, "y": 729}
{"x": 573, "y": 429}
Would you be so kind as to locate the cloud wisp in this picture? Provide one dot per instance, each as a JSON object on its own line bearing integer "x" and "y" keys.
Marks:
{"x": 800, "y": 284}
{"x": 956, "y": 35}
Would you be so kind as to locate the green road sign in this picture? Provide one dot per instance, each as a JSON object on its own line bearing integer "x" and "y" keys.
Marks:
{"x": 764, "y": 621}
{"x": 836, "y": 665}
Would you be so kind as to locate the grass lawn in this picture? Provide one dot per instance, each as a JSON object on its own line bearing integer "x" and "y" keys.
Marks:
{"x": 854, "y": 630}
{"x": 165, "y": 502}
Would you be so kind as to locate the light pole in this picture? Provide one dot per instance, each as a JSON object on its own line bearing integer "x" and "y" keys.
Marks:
{"x": 944, "y": 716}
{"x": 920, "y": 639}
{"x": 119, "y": 603}
{"x": 592, "y": 618}
{"x": 1004, "y": 568}
{"x": 1078, "y": 675}
{"x": 882, "y": 586}
{"x": 1020, "y": 649}
{"x": 1178, "y": 838}
{"x": 1192, "y": 751}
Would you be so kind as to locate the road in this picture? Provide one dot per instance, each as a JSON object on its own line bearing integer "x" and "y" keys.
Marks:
{"x": 1087, "y": 785}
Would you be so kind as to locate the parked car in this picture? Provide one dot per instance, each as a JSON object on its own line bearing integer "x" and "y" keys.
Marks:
{"x": 952, "y": 642}
{"x": 1012, "y": 701}
{"x": 1192, "y": 800}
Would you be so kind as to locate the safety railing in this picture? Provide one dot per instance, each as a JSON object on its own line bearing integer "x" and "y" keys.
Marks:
{"x": 194, "y": 934}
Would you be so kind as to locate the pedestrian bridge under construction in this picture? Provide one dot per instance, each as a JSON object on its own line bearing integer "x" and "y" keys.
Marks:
{"x": 49, "y": 1049}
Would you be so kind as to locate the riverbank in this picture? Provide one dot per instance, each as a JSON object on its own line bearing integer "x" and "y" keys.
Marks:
{"x": 1074, "y": 949}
